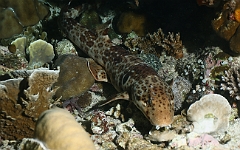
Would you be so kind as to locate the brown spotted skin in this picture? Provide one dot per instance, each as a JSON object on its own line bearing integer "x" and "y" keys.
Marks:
{"x": 126, "y": 72}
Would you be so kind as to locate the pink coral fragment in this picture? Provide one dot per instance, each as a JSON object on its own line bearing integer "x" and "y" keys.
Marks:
{"x": 203, "y": 141}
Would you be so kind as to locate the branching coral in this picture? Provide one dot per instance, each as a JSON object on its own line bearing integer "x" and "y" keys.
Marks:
{"x": 231, "y": 82}
{"x": 170, "y": 43}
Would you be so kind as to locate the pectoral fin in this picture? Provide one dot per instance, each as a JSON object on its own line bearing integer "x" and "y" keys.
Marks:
{"x": 122, "y": 96}
{"x": 97, "y": 71}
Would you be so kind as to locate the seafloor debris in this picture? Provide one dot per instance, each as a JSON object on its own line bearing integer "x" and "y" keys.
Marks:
{"x": 17, "y": 14}
{"x": 206, "y": 115}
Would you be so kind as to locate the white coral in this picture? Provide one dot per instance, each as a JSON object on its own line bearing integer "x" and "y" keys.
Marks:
{"x": 210, "y": 114}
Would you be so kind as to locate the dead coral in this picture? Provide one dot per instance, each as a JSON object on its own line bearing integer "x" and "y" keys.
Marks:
{"x": 170, "y": 43}
{"x": 17, "y": 14}
{"x": 13, "y": 124}
{"x": 39, "y": 92}
{"x": 19, "y": 111}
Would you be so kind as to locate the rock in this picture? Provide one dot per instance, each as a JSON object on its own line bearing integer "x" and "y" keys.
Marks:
{"x": 9, "y": 24}
{"x": 234, "y": 41}
{"x": 74, "y": 77}
{"x": 130, "y": 21}
{"x": 17, "y": 14}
